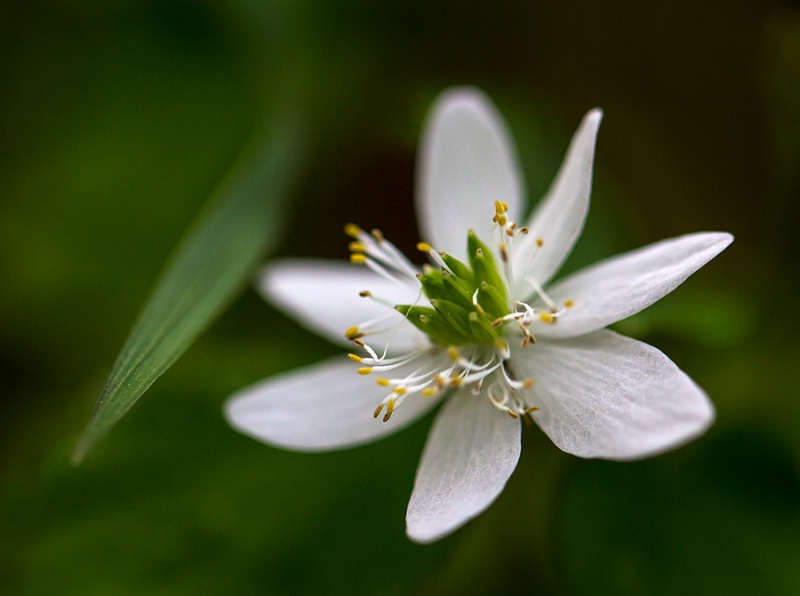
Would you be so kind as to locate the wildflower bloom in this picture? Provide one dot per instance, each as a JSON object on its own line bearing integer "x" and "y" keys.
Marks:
{"x": 481, "y": 328}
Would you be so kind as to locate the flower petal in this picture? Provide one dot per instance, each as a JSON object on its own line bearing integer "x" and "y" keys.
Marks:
{"x": 608, "y": 396}
{"x": 466, "y": 162}
{"x": 323, "y": 297}
{"x": 320, "y": 407}
{"x": 623, "y": 285}
{"x": 470, "y": 454}
{"x": 559, "y": 217}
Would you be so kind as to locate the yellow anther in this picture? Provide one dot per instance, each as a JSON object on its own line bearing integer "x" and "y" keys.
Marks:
{"x": 546, "y": 317}
{"x": 513, "y": 414}
{"x": 400, "y": 390}
{"x": 383, "y": 382}
{"x": 389, "y": 410}
{"x": 456, "y": 382}
{"x": 358, "y": 259}
{"x": 357, "y": 247}
{"x": 352, "y": 230}
{"x": 504, "y": 252}
{"x": 355, "y": 357}
{"x": 377, "y": 234}
{"x": 365, "y": 370}
{"x": 528, "y": 383}
{"x": 353, "y": 333}
{"x": 424, "y": 247}
{"x": 524, "y": 230}
{"x": 365, "y": 293}
{"x": 377, "y": 411}
{"x": 539, "y": 242}
{"x": 429, "y": 392}
{"x": 568, "y": 304}
{"x": 452, "y": 351}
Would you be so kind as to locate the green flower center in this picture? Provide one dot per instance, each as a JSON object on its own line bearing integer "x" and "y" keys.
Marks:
{"x": 468, "y": 301}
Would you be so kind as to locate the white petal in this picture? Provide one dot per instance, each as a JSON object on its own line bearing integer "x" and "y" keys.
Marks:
{"x": 559, "y": 217}
{"x": 470, "y": 454}
{"x": 623, "y": 285}
{"x": 320, "y": 407}
{"x": 608, "y": 396}
{"x": 466, "y": 162}
{"x": 323, "y": 297}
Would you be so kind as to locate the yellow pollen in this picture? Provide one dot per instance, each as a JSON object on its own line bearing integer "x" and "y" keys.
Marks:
{"x": 365, "y": 370}
{"x": 528, "y": 383}
{"x": 401, "y": 390}
{"x": 456, "y": 382}
{"x": 355, "y": 358}
{"x": 513, "y": 414}
{"x": 510, "y": 231}
{"x": 452, "y": 351}
{"x": 353, "y": 333}
{"x": 357, "y": 247}
{"x": 365, "y": 293}
{"x": 377, "y": 234}
{"x": 383, "y": 382}
{"x": 568, "y": 304}
{"x": 429, "y": 392}
{"x": 546, "y": 317}
{"x": 358, "y": 258}
{"x": 424, "y": 247}
{"x": 377, "y": 411}
{"x": 539, "y": 241}
{"x": 389, "y": 410}
{"x": 352, "y": 230}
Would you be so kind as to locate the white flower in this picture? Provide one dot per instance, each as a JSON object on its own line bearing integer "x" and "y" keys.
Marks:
{"x": 477, "y": 328}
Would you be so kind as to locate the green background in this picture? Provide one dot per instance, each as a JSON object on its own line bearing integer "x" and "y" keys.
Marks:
{"x": 116, "y": 121}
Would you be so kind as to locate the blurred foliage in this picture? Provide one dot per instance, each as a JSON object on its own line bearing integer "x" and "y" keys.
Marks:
{"x": 117, "y": 119}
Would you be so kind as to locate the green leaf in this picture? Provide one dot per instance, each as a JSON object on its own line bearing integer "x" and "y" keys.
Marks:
{"x": 210, "y": 265}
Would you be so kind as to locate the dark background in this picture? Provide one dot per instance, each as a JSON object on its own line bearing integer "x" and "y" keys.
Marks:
{"x": 116, "y": 121}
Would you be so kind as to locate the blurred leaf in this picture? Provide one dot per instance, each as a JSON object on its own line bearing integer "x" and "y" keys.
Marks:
{"x": 210, "y": 265}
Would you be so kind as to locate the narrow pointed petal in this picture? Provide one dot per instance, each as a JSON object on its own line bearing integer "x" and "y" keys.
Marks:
{"x": 323, "y": 296}
{"x": 608, "y": 396}
{"x": 470, "y": 454}
{"x": 623, "y": 285}
{"x": 466, "y": 162}
{"x": 318, "y": 408}
{"x": 559, "y": 217}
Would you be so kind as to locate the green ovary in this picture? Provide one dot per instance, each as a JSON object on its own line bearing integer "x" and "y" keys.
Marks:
{"x": 465, "y": 299}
